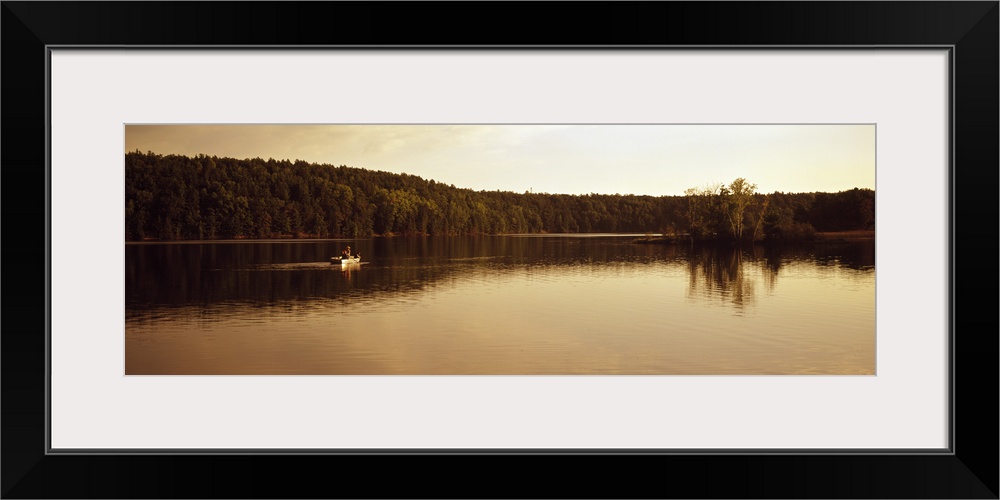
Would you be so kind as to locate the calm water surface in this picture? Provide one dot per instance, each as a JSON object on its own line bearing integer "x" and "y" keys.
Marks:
{"x": 498, "y": 305}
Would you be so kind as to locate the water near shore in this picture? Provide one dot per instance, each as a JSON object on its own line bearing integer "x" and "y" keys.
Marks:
{"x": 500, "y": 305}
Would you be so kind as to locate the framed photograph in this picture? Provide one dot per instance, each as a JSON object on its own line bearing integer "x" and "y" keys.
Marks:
{"x": 850, "y": 371}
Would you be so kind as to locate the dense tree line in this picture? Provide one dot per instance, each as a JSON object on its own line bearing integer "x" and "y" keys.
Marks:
{"x": 182, "y": 198}
{"x": 738, "y": 212}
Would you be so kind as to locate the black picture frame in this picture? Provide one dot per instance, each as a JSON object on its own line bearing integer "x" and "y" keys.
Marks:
{"x": 969, "y": 471}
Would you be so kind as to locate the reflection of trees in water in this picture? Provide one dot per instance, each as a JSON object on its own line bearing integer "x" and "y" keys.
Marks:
{"x": 730, "y": 273}
{"x": 202, "y": 275}
{"x": 267, "y": 274}
{"x": 852, "y": 255}
{"x": 723, "y": 272}
{"x": 857, "y": 255}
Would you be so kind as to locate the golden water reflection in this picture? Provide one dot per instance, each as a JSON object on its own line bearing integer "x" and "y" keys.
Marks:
{"x": 502, "y": 306}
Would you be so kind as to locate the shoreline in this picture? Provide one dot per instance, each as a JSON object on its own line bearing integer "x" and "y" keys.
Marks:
{"x": 828, "y": 236}
{"x": 824, "y": 237}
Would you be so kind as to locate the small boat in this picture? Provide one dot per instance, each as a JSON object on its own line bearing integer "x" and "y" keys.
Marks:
{"x": 344, "y": 261}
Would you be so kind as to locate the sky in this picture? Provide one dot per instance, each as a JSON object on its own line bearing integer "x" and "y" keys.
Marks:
{"x": 656, "y": 160}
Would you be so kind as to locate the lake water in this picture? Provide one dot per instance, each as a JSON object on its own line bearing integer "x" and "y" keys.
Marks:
{"x": 498, "y": 305}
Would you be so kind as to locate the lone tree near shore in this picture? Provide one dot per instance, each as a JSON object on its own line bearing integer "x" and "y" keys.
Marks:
{"x": 736, "y": 199}
{"x": 732, "y": 212}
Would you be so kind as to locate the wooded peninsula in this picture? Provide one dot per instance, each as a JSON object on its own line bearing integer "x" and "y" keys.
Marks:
{"x": 173, "y": 197}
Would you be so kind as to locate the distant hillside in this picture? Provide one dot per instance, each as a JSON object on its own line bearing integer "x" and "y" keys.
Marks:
{"x": 180, "y": 198}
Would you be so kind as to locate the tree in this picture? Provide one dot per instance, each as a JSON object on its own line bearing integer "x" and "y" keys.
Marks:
{"x": 174, "y": 196}
{"x": 701, "y": 211}
{"x": 758, "y": 226}
{"x": 737, "y": 198}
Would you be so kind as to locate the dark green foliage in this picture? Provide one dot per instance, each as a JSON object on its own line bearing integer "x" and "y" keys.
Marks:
{"x": 737, "y": 213}
{"x": 854, "y": 209}
{"x": 176, "y": 197}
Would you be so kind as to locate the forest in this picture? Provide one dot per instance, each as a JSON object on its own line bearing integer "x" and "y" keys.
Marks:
{"x": 173, "y": 197}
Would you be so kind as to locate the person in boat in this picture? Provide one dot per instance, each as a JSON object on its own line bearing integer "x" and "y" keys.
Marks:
{"x": 346, "y": 254}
